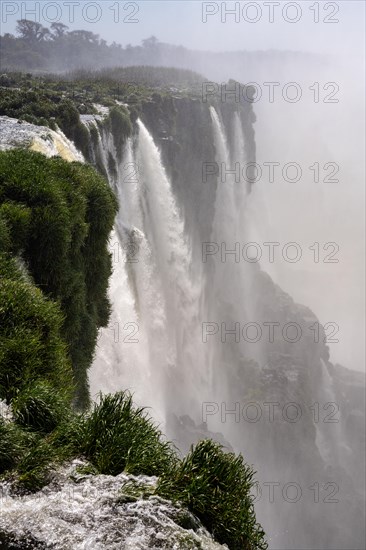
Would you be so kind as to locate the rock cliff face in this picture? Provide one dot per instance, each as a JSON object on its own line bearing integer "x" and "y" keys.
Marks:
{"x": 307, "y": 432}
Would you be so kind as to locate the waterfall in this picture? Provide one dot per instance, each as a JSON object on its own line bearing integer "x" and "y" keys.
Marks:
{"x": 103, "y": 150}
{"x": 60, "y": 146}
{"x": 151, "y": 290}
{"x": 156, "y": 290}
{"x": 229, "y": 225}
{"x": 161, "y": 294}
{"x": 224, "y": 219}
{"x": 232, "y": 298}
{"x": 128, "y": 347}
{"x": 330, "y": 436}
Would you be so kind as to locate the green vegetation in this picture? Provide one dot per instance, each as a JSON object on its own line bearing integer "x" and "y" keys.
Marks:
{"x": 40, "y": 407}
{"x": 118, "y": 437}
{"x": 36, "y": 48}
{"x": 45, "y": 107}
{"x": 43, "y": 99}
{"x": 115, "y": 436}
{"x": 163, "y": 78}
{"x": 215, "y": 486}
{"x": 55, "y": 219}
{"x": 31, "y": 346}
{"x": 120, "y": 126}
{"x": 9, "y": 446}
{"x": 34, "y": 468}
{"x": 58, "y": 216}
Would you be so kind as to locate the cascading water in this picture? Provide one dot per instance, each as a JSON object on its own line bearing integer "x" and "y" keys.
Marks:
{"x": 231, "y": 299}
{"x": 223, "y": 296}
{"x": 82, "y": 512}
{"x": 144, "y": 346}
{"x": 171, "y": 259}
{"x": 330, "y": 437}
{"x": 153, "y": 345}
{"x": 124, "y": 357}
{"x": 160, "y": 299}
{"x": 151, "y": 290}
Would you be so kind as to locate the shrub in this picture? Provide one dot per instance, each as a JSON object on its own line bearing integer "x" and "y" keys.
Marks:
{"x": 59, "y": 215}
{"x": 10, "y": 448}
{"x": 16, "y": 216}
{"x": 35, "y": 465}
{"x": 116, "y": 437}
{"x": 9, "y": 268}
{"x": 40, "y": 407}
{"x": 121, "y": 127}
{"x": 215, "y": 486}
{"x": 65, "y": 439}
{"x": 30, "y": 344}
{"x": 27, "y": 450}
{"x": 80, "y": 136}
{"x": 5, "y": 241}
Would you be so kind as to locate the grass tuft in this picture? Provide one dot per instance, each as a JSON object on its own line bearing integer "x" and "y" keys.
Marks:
{"x": 36, "y": 464}
{"x": 10, "y": 448}
{"x": 117, "y": 436}
{"x": 215, "y": 486}
{"x": 40, "y": 407}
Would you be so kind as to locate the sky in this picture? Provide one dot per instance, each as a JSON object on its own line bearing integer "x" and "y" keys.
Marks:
{"x": 302, "y": 25}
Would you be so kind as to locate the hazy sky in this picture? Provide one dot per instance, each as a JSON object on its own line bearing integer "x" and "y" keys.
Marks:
{"x": 301, "y": 25}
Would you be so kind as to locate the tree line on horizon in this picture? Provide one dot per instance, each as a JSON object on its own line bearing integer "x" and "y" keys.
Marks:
{"x": 38, "y": 48}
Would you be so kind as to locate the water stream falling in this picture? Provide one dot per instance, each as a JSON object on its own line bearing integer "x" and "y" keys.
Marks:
{"x": 153, "y": 346}
{"x": 161, "y": 296}
{"x": 152, "y": 276}
{"x": 156, "y": 291}
{"x": 330, "y": 436}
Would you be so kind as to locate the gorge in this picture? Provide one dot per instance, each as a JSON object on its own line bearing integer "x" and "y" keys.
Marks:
{"x": 190, "y": 381}
{"x": 190, "y": 327}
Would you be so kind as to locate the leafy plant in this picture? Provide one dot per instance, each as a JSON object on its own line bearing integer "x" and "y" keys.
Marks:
{"x": 121, "y": 127}
{"x": 16, "y": 217}
{"x": 40, "y": 407}
{"x": 35, "y": 465}
{"x": 215, "y": 486}
{"x": 59, "y": 216}
{"x": 117, "y": 436}
{"x": 31, "y": 347}
{"x": 10, "y": 446}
